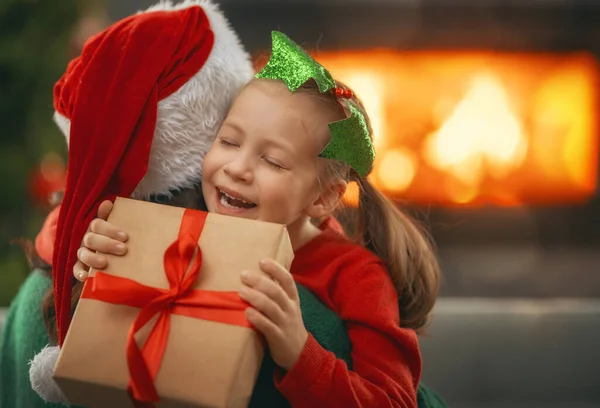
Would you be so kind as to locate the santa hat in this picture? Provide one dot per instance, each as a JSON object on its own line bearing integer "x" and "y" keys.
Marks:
{"x": 139, "y": 108}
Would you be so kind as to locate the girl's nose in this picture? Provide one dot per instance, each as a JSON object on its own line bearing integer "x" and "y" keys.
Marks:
{"x": 239, "y": 170}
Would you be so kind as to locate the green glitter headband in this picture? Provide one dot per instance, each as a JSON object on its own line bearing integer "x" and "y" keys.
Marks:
{"x": 350, "y": 141}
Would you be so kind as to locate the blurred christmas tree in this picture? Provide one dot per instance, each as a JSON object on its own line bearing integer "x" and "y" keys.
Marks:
{"x": 37, "y": 38}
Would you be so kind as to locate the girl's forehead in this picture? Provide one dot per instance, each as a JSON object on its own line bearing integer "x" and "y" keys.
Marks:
{"x": 267, "y": 92}
{"x": 268, "y": 108}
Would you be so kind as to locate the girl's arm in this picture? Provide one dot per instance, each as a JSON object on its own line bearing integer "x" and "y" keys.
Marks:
{"x": 386, "y": 358}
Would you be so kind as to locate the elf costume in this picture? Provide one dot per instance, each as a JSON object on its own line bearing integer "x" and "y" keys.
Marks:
{"x": 140, "y": 108}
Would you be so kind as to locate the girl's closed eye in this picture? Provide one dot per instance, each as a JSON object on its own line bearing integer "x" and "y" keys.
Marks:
{"x": 226, "y": 141}
{"x": 273, "y": 163}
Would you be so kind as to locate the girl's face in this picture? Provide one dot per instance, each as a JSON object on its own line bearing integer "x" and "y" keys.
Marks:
{"x": 263, "y": 163}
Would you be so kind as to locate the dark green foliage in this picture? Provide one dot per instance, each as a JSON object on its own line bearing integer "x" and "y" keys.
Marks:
{"x": 34, "y": 39}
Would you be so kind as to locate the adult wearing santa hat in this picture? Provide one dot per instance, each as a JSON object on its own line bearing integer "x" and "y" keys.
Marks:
{"x": 139, "y": 108}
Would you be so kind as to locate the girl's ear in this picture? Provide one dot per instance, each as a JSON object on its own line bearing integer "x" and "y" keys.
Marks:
{"x": 328, "y": 199}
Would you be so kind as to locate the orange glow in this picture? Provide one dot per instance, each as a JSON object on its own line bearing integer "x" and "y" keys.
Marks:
{"x": 470, "y": 128}
{"x": 482, "y": 133}
{"x": 351, "y": 197}
{"x": 53, "y": 168}
{"x": 396, "y": 169}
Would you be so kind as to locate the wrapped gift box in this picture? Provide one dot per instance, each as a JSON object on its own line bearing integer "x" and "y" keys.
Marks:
{"x": 206, "y": 363}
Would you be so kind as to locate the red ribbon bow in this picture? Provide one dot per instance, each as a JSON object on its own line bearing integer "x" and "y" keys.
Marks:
{"x": 180, "y": 299}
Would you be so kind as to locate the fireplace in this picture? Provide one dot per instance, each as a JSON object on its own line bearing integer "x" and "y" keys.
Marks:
{"x": 486, "y": 126}
{"x": 478, "y": 128}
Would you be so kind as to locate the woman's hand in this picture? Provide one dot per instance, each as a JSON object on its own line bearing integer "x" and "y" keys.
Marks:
{"x": 275, "y": 311}
{"x": 102, "y": 237}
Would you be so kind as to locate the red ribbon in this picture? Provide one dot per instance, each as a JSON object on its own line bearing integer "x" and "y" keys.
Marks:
{"x": 180, "y": 299}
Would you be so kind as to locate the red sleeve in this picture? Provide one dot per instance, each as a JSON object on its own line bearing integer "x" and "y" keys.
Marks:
{"x": 386, "y": 358}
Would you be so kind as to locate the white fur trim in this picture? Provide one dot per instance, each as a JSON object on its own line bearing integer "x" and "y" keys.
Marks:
{"x": 63, "y": 124}
{"x": 188, "y": 120}
{"x": 40, "y": 375}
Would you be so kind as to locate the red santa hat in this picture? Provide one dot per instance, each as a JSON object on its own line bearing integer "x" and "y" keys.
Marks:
{"x": 139, "y": 108}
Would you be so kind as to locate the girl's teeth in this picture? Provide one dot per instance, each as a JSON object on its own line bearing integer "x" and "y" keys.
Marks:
{"x": 232, "y": 202}
{"x": 225, "y": 203}
{"x": 234, "y": 198}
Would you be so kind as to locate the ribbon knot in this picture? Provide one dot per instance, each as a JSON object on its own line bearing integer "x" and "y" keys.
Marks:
{"x": 182, "y": 264}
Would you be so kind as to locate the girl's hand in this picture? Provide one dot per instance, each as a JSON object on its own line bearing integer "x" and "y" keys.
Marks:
{"x": 103, "y": 237}
{"x": 276, "y": 311}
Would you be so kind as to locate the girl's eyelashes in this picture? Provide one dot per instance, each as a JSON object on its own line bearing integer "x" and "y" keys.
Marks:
{"x": 273, "y": 164}
{"x": 227, "y": 142}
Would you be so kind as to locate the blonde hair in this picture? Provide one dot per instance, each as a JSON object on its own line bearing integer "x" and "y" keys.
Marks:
{"x": 392, "y": 235}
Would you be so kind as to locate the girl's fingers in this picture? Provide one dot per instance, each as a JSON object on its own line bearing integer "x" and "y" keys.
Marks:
{"x": 105, "y": 209}
{"x": 101, "y": 243}
{"x": 268, "y": 287}
{"x": 91, "y": 259}
{"x": 281, "y": 275}
{"x": 102, "y": 236}
{"x": 262, "y": 323}
{"x": 80, "y": 271}
{"x": 103, "y": 227}
{"x": 263, "y": 304}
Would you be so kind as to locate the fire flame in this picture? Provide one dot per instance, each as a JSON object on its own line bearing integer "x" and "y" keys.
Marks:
{"x": 482, "y": 136}
{"x": 513, "y": 129}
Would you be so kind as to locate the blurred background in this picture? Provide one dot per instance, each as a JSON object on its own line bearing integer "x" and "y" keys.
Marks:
{"x": 486, "y": 125}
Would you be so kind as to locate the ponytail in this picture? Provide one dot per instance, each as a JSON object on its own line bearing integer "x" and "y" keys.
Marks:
{"x": 406, "y": 250}
{"x": 382, "y": 228}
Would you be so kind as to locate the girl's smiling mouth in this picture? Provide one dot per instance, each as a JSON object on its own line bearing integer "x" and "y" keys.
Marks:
{"x": 231, "y": 200}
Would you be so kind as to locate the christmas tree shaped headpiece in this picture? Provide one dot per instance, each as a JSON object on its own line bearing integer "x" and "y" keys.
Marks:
{"x": 350, "y": 140}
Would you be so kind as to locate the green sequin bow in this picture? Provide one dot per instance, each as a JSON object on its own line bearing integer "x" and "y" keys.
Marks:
{"x": 350, "y": 141}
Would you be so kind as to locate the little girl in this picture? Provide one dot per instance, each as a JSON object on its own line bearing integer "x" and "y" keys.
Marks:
{"x": 291, "y": 143}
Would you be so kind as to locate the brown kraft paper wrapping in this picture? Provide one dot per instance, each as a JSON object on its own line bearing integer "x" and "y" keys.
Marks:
{"x": 206, "y": 363}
